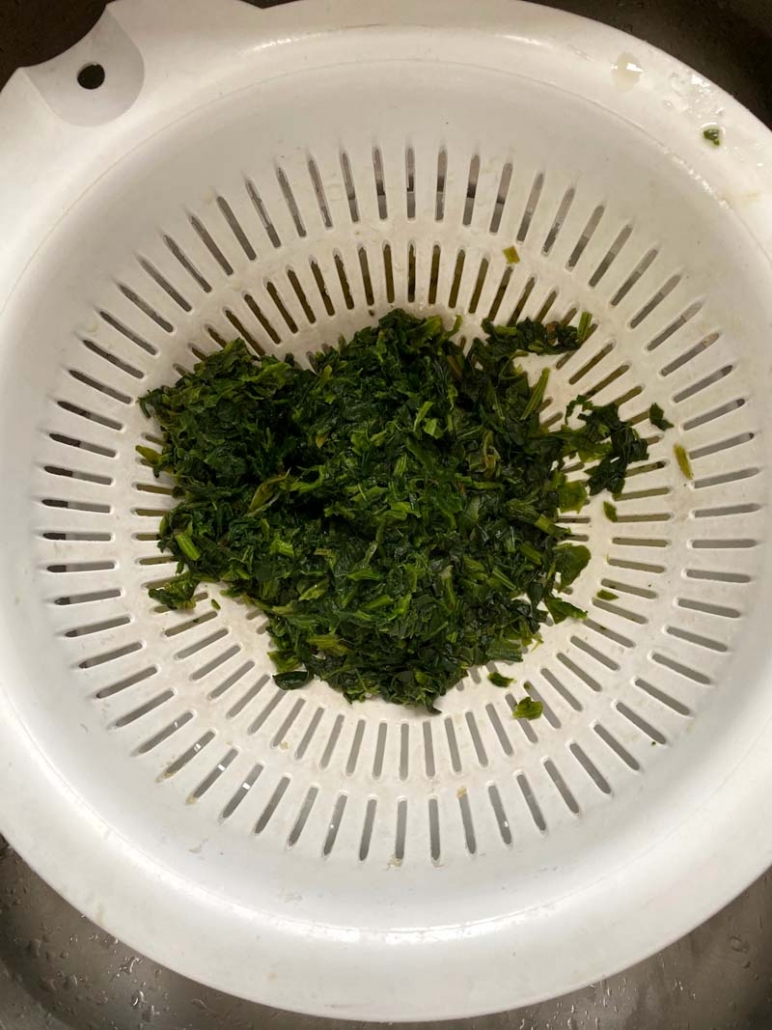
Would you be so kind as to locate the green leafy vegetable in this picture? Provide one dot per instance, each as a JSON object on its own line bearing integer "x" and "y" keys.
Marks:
{"x": 394, "y": 510}
{"x": 512, "y": 256}
{"x": 657, "y": 418}
{"x": 498, "y": 680}
{"x": 570, "y": 560}
{"x": 610, "y": 511}
{"x": 572, "y": 496}
{"x": 608, "y": 437}
{"x": 527, "y": 337}
{"x": 607, "y": 595}
{"x": 560, "y": 609}
{"x": 528, "y": 709}
{"x": 683, "y": 460}
{"x": 585, "y": 324}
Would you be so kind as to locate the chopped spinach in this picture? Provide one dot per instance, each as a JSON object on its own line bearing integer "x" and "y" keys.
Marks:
{"x": 683, "y": 460}
{"x": 393, "y": 509}
{"x": 498, "y": 680}
{"x": 607, "y": 437}
{"x": 657, "y": 418}
{"x": 528, "y": 709}
{"x": 713, "y": 135}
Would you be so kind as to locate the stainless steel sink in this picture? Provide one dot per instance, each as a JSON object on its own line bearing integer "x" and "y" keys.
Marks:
{"x": 58, "y": 970}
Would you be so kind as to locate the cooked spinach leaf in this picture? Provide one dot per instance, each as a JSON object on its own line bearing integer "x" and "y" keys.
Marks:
{"x": 498, "y": 680}
{"x": 657, "y": 418}
{"x": 528, "y": 709}
{"x": 393, "y": 509}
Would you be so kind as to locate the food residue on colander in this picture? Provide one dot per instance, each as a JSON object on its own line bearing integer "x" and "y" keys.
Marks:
{"x": 498, "y": 680}
{"x": 511, "y": 254}
{"x": 610, "y": 511}
{"x": 528, "y": 709}
{"x": 607, "y": 595}
{"x": 683, "y": 460}
{"x": 657, "y": 418}
{"x": 394, "y": 509}
{"x": 713, "y": 135}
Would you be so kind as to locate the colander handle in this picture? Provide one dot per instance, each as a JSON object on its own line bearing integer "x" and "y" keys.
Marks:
{"x": 65, "y": 122}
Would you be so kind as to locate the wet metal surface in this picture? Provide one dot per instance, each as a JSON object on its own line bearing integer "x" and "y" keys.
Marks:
{"x": 60, "y": 972}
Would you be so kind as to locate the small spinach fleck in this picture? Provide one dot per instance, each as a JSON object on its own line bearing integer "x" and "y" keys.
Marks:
{"x": 498, "y": 680}
{"x": 657, "y": 418}
{"x": 713, "y": 135}
{"x": 528, "y": 709}
{"x": 683, "y": 460}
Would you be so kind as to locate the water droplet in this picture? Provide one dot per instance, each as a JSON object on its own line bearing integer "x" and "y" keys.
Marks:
{"x": 137, "y": 999}
{"x": 626, "y": 72}
{"x": 738, "y": 944}
{"x": 128, "y": 966}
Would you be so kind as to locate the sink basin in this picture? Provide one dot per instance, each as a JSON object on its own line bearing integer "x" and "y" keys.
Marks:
{"x": 59, "y": 970}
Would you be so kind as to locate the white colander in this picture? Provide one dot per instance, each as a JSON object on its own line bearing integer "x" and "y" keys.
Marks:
{"x": 288, "y": 176}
